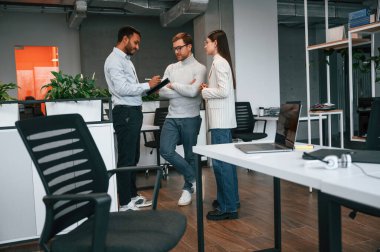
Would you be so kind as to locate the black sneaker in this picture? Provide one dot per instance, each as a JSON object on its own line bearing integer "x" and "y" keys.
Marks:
{"x": 215, "y": 204}
{"x": 218, "y": 215}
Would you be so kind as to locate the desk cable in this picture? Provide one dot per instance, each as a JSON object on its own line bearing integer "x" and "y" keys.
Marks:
{"x": 364, "y": 172}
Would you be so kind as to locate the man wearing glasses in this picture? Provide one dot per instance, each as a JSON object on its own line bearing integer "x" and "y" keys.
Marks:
{"x": 183, "y": 121}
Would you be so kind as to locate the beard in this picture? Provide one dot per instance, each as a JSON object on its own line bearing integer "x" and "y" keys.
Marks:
{"x": 129, "y": 50}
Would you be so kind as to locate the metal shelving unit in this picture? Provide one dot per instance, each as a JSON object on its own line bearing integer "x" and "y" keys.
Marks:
{"x": 370, "y": 29}
{"x": 329, "y": 45}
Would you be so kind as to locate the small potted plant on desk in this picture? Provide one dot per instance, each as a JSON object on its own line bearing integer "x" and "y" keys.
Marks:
{"x": 74, "y": 94}
{"x": 9, "y": 113}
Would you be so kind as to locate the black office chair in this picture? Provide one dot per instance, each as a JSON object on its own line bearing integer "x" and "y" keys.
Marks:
{"x": 76, "y": 182}
{"x": 373, "y": 132}
{"x": 159, "y": 119}
{"x": 293, "y": 102}
{"x": 246, "y": 123}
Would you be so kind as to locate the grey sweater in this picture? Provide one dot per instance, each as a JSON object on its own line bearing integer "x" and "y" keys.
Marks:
{"x": 184, "y": 96}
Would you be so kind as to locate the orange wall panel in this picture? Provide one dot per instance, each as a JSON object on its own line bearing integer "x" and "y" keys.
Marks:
{"x": 33, "y": 67}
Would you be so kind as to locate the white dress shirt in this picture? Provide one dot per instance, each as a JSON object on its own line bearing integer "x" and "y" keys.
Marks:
{"x": 122, "y": 80}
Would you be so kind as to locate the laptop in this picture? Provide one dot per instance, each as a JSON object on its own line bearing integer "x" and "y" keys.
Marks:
{"x": 286, "y": 132}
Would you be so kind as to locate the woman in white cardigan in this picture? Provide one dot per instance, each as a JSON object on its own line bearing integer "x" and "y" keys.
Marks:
{"x": 220, "y": 106}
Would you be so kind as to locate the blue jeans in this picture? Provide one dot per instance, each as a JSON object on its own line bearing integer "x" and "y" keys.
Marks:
{"x": 176, "y": 131}
{"x": 225, "y": 175}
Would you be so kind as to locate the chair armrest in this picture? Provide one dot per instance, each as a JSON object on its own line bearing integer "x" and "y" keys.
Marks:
{"x": 261, "y": 120}
{"x": 143, "y": 168}
{"x": 98, "y": 198}
{"x": 144, "y": 131}
{"x": 102, "y": 203}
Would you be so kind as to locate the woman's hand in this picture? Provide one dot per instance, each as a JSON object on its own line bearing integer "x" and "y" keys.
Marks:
{"x": 203, "y": 86}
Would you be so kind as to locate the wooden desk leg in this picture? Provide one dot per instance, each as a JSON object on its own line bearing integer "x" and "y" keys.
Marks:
{"x": 199, "y": 204}
{"x": 329, "y": 224}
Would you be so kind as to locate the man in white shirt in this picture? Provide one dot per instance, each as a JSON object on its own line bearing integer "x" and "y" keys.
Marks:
{"x": 183, "y": 121}
{"x": 126, "y": 92}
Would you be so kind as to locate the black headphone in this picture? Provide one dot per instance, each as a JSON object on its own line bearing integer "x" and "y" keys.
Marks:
{"x": 329, "y": 162}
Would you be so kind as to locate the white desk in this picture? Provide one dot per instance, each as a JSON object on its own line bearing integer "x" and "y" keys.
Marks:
{"x": 283, "y": 165}
{"x": 275, "y": 118}
{"x": 288, "y": 166}
{"x": 359, "y": 187}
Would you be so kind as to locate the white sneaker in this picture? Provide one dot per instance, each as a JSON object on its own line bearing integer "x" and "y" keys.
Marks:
{"x": 130, "y": 206}
{"x": 141, "y": 201}
{"x": 185, "y": 198}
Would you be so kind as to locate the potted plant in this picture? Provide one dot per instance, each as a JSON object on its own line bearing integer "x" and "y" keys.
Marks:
{"x": 150, "y": 102}
{"x": 79, "y": 88}
{"x": 8, "y": 105}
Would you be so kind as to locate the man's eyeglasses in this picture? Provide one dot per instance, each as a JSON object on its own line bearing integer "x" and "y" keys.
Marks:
{"x": 178, "y": 48}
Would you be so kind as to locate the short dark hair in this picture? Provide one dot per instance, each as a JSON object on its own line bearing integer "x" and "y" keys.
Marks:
{"x": 126, "y": 31}
{"x": 185, "y": 37}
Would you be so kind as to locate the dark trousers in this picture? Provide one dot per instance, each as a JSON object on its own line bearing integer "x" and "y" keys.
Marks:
{"x": 127, "y": 122}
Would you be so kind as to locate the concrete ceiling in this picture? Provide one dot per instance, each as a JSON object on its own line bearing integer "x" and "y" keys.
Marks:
{"x": 291, "y": 12}
{"x": 177, "y": 12}
{"x": 171, "y": 12}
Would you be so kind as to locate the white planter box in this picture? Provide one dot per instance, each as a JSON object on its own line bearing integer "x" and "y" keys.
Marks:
{"x": 89, "y": 110}
{"x": 8, "y": 114}
{"x": 150, "y": 106}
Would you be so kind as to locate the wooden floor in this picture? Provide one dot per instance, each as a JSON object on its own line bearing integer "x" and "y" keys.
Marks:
{"x": 254, "y": 229}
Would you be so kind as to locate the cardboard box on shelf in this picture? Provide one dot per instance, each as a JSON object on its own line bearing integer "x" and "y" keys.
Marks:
{"x": 335, "y": 34}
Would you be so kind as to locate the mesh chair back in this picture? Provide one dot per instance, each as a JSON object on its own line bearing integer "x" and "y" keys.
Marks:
{"x": 159, "y": 119}
{"x": 244, "y": 118}
{"x": 159, "y": 116}
{"x": 68, "y": 162}
{"x": 373, "y": 133}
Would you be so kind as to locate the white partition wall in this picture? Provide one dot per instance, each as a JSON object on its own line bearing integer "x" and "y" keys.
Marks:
{"x": 256, "y": 52}
{"x": 256, "y": 55}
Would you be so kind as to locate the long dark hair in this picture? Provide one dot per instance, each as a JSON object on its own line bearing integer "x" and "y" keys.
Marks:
{"x": 223, "y": 49}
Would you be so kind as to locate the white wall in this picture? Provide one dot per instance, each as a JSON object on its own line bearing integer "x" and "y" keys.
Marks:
{"x": 256, "y": 52}
{"x": 37, "y": 29}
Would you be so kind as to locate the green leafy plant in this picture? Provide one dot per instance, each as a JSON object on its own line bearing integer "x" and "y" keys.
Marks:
{"x": 65, "y": 86}
{"x": 4, "y": 88}
{"x": 151, "y": 97}
{"x": 363, "y": 62}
